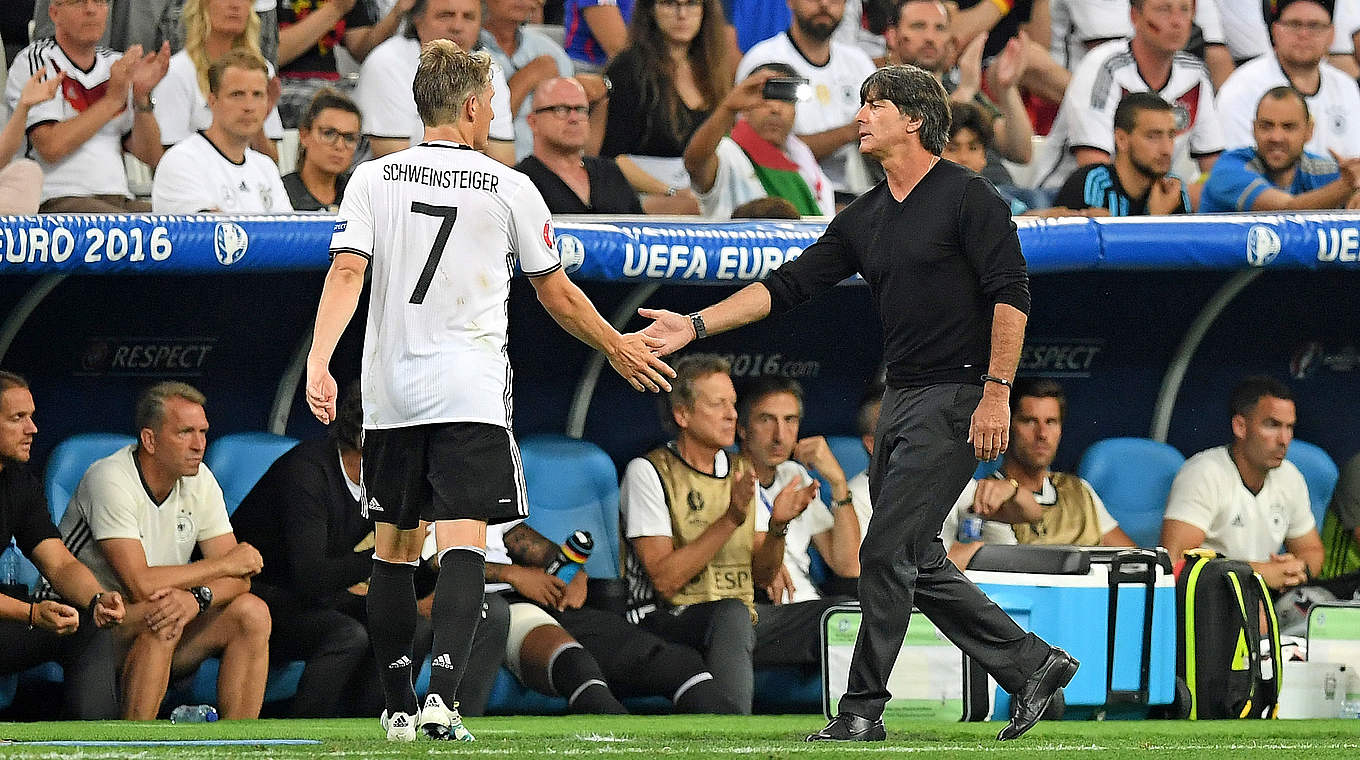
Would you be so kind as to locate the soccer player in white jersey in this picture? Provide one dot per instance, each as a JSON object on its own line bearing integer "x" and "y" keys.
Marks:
{"x": 443, "y": 226}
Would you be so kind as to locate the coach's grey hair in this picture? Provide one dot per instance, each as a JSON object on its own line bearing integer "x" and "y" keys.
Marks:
{"x": 446, "y": 78}
{"x": 151, "y": 404}
{"x": 916, "y": 93}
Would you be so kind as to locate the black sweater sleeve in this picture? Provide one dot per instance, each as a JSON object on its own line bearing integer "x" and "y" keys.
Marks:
{"x": 992, "y": 245}
{"x": 822, "y": 265}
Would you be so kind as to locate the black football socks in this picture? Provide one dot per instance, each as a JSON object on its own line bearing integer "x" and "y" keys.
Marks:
{"x": 576, "y": 675}
{"x": 391, "y": 626}
{"x": 457, "y": 610}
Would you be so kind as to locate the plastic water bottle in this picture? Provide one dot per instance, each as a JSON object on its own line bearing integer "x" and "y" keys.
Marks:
{"x": 571, "y": 555}
{"x": 1350, "y": 706}
{"x": 193, "y": 714}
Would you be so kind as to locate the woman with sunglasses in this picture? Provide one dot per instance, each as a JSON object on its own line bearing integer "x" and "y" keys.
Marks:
{"x": 328, "y": 136}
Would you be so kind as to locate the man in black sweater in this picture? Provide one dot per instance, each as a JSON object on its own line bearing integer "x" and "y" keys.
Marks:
{"x": 940, "y": 253}
{"x": 317, "y": 545}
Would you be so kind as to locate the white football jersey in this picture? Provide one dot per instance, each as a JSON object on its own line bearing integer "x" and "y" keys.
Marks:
{"x": 1086, "y": 117}
{"x": 834, "y": 100}
{"x": 1075, "y": 24}
{"x": 1335, "y": 106}
{"x": 95, "y": 167}
{"x": 443, "y": 227}
{"x": 195, "y": 176}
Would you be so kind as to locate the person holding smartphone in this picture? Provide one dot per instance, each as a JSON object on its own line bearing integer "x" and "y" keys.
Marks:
{"x": 747, "y": 150}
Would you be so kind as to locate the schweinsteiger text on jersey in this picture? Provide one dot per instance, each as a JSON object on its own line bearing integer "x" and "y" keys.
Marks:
{"x": 445, "y": 178}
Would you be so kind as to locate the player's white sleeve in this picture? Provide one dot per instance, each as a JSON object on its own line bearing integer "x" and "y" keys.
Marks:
{"x": 354, "y": 223}
{"x": 531, "y": 232}
{"x": 178, "y": 187}
{"x": 1208, "y": 134}
{"x": 502, "y": 118}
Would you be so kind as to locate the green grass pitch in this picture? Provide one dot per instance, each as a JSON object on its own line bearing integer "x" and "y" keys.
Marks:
{"x": 645, "y": 738}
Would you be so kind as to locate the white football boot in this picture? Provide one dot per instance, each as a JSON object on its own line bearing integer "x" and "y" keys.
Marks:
{"x": 400, "y": 727}
{"x": 441, "y": 723}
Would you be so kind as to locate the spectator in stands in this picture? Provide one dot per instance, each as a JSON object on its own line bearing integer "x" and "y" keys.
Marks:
{"x": 747, "y": 150}
{"x": 826, "y": 120}
{"x": 570, "y": 181}
{"x": 699, "y": 543}
{"x": 212, "y": 28}
{"x": 970, "y": 140}
{"x": 149, "y": 23}
{"x": 528, "y": 58}
{"x": 596, "y": 30}
{"x": 135, "y": 520}
{"x": 1300, "y": 31}
{"x": 384, "y": 91}
{"x": 1083, "y": 132}
{"x": 217, "y": 170}
{"x": 309, "y": 32}
{"x": 1244, "y": 499}
{"x": 1138, "y": 182}
{"x": 1279, "y": 173}
{"x": 866, "y": 422}
{"x": 768, "y": 417}
{"x": 1341, "y": 526}
{"x": 306, "y": 517}
{"x": 74, "y": 632}
{"x": 328, "y": 136}
{"x": 21, "y": 179}
{"x": 666, "y": 83}
{"x": 557, "y": 645}
{"x": 1041, "y": 506}
{"x": 102, "y": 108}
{"x": 1077, "y": 26}
{"x": 921, "y": 37}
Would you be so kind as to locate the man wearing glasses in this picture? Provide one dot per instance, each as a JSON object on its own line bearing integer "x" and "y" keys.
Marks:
{"x": 1300, "y": 32}
{"x": 102, "y": 109}
{"x": 216, "y": 169}
{"x": 570, "y": 181}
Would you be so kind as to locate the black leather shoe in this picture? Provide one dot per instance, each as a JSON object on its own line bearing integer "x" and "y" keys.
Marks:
{"x": 850, "y": 728}
{"x": 1029, "y": 704}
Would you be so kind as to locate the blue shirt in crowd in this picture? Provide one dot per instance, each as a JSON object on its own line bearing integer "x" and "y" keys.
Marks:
{"x": 580, "y": 43}
{"x": 1239, "y": 177}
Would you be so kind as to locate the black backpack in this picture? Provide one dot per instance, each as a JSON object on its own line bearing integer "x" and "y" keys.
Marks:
{"x": 1222, "y": 606}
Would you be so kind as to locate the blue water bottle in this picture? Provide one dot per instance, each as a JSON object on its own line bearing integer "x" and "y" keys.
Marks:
{"x": 571, "y": 556}
{"x": 970, "y": 528}
{"x": 193, "y": 714}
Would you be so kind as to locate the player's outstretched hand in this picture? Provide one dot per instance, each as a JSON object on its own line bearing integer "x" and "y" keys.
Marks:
{"x": 636, "y": 359}
{"x": 321, "y": 393}
{"x": 673, "y": 330}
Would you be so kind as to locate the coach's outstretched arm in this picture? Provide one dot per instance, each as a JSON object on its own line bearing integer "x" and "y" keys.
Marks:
{"x": 339, "y": 299}
{"x": 675, "y": 331}
{"x": 635, "y": 356}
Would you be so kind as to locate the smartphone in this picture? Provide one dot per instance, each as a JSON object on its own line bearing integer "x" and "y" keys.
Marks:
{"x": 791, "y": 89}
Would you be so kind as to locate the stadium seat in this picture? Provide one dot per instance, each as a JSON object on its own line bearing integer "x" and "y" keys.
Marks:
{"x": 1319, "y": 471}
{"x": 288, "y": 151}
{"x": 67, "y": 464}
{"x": 239, "y": 460}
{"x": 201, "y": 687}
{"x": 1133, "y": 477}
{"x": 573, "y": 485}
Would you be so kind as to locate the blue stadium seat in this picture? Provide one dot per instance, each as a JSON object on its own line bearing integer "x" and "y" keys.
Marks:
{"x": 1319, "y": 471}
{"x": 239, "y": 460}
{"x": 68, "y": 462}
{"x": 573, "y": 485}
{"x": 201, "y": 687}
{"x": 849, "y": 451}
{"x": 1133, "y": 476}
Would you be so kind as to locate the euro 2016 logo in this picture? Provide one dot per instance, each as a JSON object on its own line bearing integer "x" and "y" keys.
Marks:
{"x": 572, "y": 252}
{"x": 1263, "y": 245}
{"x": 230, "y": 242}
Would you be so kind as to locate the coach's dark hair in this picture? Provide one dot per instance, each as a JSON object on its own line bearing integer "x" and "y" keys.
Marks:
{"x": 1286, "y": 91}
{"x": 969, "y": 116}
{"x": 916, "y": 93}
{"x": 348, "y": 429}
{"x": 778, "y": 67}
{"x": 769, "y": 207}
{"x": 1252, "y": 389}
{"x": 688, "y": 369}
{"x": 866, "y": 419}
{"x": 1126, "y": 113}
{"x": 766, "y": 385}
{"x": 150, "y": 410}
{"x": 1039, "y": 387}
{"x": 10, "y": 380}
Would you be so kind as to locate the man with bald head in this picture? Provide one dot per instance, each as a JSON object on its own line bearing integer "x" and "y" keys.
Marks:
{"x": 570, "y": 181}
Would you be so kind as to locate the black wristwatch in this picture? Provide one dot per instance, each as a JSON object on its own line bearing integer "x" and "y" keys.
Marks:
{"x": 697, "y": 322}
{"x": 203, "y": 595}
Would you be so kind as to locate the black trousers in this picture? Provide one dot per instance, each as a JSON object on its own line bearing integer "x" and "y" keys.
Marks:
{"x": 88, "y": 657}
{"x": 922, "y": 460}
{"x": 332, "y": 644}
